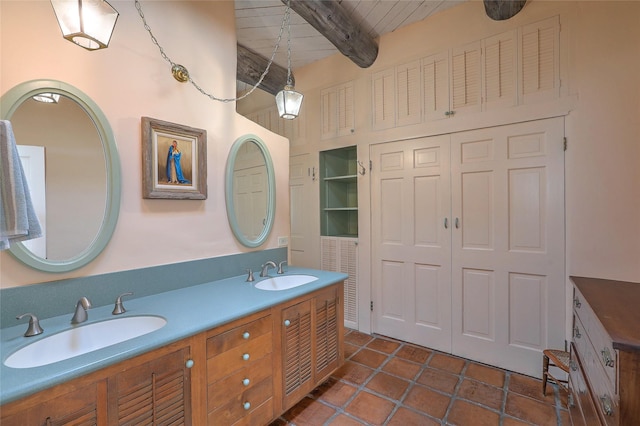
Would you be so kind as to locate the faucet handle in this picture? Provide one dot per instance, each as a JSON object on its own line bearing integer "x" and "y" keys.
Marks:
{"x": 34, "y": 325}
{"x": 119, "y": 307}
{"x": 250, "y": 277}
{"x": 280, "y": 265}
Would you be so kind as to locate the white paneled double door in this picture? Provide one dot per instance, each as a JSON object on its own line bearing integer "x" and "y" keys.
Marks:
{"x": 468, "y": 242}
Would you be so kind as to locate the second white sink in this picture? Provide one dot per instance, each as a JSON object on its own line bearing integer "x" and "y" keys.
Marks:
{"x": 285, "y": 282}
{"x": 83, "y": 339}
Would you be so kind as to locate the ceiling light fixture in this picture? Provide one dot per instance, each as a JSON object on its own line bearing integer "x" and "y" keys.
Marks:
{"x": 181, "y": 74}
{"x": 87, "y": 23}
{"x": 288, "y": 100}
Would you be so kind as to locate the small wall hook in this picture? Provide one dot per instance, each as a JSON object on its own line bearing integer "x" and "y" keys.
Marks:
{"x": 361, "y": 168}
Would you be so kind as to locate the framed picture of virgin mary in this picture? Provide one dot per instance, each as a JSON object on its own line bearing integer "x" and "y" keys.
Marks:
{"x": 174, "y": 161}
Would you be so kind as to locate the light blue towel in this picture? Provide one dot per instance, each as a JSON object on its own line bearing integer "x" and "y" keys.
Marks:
{"x": 18, "y": 220}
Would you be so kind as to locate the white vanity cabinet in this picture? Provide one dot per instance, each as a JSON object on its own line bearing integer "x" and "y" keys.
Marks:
{"x": 604, "y": 374}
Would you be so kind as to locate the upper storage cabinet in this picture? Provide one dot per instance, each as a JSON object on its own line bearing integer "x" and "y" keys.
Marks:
{"x": 337, "y": 111}
{"x": 339, "y": 192}
{"x": 516, "y": 67}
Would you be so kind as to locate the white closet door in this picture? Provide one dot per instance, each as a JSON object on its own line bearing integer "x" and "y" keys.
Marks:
{"x": 303, "y": 203}
{"x": 508, "y": 243}
{"x": 411, "y": 246}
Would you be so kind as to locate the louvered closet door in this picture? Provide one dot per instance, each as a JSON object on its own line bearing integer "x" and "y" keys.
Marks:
{"x": 411, "y": 242}
{"x": 340, "y": 254}
{"x": 508, "y": 243}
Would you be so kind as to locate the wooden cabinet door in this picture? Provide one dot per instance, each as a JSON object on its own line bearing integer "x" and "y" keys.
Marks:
{"x": 296, "y": 352}
{"x": 327, "y": 329}
{"x": 81, "y": 407}
{"x": 156, "y": 392}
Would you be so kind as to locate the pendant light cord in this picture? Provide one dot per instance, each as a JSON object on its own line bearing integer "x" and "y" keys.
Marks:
{"x": 285, "y": 19}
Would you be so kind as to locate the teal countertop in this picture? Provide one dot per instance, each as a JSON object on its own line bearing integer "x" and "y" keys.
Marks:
{"x": 188, "y": 311}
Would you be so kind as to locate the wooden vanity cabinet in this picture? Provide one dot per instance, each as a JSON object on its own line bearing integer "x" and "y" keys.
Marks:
{"x": 247, "y": 372}
{"x": 83, "y": 406}
{"x": 155, "y": 392}
{"x": 311, "y": 338}
{"x": 239, "y": 372}
{"x": 153, "y": 388}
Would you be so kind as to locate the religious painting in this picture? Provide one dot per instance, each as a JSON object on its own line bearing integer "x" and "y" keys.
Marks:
{"x": 173, "y": 161}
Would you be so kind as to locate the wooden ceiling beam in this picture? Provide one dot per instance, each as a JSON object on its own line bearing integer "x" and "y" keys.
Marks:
{"x": 250, "y": 67}
{"x": 499, "y": 10}
{"x": 331, "y": 20}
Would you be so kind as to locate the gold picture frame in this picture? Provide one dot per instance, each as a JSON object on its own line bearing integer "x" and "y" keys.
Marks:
{"x": 174, "y": 161}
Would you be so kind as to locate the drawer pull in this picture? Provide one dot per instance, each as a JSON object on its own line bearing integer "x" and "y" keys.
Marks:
{"x": 576, "y": 332}
{"x": 245, "y": 335}
{"x": 245, "y": 357}
{"x": 287, "y": 323}
{"x": 606, "y": 357}
{"x": 246, "y": 405}
{"x": 189, "y": 363}
{"x": 607, "y": 406}
{"x": 246, "y": 382}
{"x": 576, "y": 302}
{"x": 574, "y": 365}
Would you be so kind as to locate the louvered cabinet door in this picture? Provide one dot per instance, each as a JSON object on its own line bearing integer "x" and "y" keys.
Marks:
{"x": 327, "y": 329}
{"x": 153, "y": 393}
{"x": 83, "y": 406}
{"x": 296, "y": 352}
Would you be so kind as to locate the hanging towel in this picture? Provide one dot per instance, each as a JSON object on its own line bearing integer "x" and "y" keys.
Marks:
{"x": 18, "y": 220}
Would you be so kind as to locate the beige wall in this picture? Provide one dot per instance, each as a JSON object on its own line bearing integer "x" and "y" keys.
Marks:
{"x": 130, "y": 80}
{"x": 600, "y": 97}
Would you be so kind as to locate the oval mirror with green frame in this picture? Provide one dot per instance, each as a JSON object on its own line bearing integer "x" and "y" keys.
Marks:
{"x": 250, "y": 191}
{"x": 82, "y": 178}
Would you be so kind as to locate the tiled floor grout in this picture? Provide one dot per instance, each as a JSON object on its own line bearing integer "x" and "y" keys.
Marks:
{"x": 412, "y": 383}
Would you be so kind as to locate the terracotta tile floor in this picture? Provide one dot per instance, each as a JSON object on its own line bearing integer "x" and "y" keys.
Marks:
{"x": 388, "y": 382}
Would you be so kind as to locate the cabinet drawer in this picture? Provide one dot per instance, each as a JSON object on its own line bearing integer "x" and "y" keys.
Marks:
{"x": 604, "y": 352}
{"x": 592, "y": 329}
{"x": 604, "y": 398}
{"x": 239, "y": 335}
{"x": 582, "y": 400}
{"x": 242, "y": 404}
{"x": 260, "y": 416}
{"x": 223, "y": 390}
{"x": 238, "y": 357}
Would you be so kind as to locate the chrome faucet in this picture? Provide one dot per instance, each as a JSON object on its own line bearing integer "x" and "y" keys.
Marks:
{"x": 119, "y": 307}
{"x": 280, "y": 266}
{"x": 34, "y": 325}
{"x": 81, "y": 311}
{"x": 265, "y": 267}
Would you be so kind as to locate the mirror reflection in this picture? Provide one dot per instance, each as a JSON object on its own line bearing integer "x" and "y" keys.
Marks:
{"x": 250, "y": 191}
{"x": 63, "y": 157}
{"x": 73, "y": 171}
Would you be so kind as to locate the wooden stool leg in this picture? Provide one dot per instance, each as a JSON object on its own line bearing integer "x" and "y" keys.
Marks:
{"x": 545, "y": 373}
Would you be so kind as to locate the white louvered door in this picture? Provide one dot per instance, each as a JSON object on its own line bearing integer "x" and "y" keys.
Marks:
{"x": 339, "y": 254}
{"x": 499, "y": 71}
{"x": 465, "y": 79}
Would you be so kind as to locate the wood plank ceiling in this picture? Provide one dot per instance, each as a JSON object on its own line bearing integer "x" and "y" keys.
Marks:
{"x": 258, "y": 24}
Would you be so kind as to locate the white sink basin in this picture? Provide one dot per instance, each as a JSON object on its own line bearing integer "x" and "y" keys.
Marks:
{"x": 83, "y": 339}
{"x": 285, "y": 282}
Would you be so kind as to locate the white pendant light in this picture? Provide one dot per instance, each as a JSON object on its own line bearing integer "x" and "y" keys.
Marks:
{"x": 288, "y": 100}
{"x": 87, "y": 23}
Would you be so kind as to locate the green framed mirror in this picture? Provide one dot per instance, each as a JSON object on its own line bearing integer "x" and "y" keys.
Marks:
{"x": 250, "y": 191}
{"x": 78, "y": 194}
